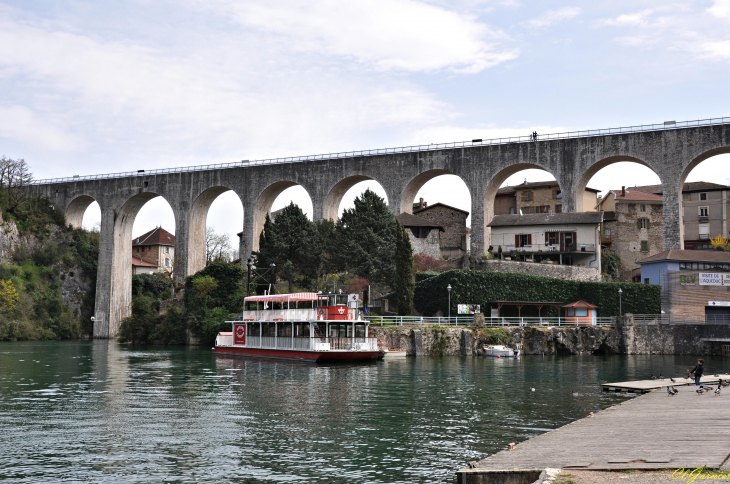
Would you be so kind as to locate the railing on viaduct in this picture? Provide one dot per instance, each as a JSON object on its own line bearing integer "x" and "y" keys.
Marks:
{"x": 667, "y": 125}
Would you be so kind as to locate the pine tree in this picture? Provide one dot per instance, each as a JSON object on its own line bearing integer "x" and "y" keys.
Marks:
{"x": 404, "y": 283}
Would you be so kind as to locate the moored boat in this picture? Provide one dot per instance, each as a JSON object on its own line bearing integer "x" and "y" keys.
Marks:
{"x": 302, "y": 326}
{"x": 500, "y": 351}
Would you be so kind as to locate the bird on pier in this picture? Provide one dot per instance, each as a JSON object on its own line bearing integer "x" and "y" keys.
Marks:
{"x": 670, "y": 392}
{"x": 717, "y": 392}
{"x": 725, "y": 383}
{"x": 653, "y": 377}
{"x": 700, "y": 390}
{"x": 661, "y": 377}
{"x": 672, "y": 380}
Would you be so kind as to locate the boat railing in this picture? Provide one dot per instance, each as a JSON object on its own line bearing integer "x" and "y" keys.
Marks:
{"x": 496, "y": 321}
{"x": 316, "y": 343}
{"x": 305, "y": 314}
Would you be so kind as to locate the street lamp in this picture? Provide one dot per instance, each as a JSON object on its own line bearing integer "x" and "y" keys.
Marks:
{"x": 249, "y": 264}
{"x": 620, "y": 313}
{"x": 273, "y": 277}
{"x": 448, "y": 289}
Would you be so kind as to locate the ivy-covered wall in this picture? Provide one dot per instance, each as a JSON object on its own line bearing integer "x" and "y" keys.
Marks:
{"x": 480, "y": 287}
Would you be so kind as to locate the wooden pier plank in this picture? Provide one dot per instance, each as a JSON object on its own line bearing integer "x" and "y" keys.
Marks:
{"x": 653, "y": 431}
{"x": 643, "y": 386}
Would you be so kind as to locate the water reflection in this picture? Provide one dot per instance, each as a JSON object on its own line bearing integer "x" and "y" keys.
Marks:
{"x": 104, "y": 412}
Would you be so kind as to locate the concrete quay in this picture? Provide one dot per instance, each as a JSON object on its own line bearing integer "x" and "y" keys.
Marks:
{"x": 653, "y": 431}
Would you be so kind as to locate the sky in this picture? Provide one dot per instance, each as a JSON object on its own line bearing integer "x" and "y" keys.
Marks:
{"x": 103, "y": 86}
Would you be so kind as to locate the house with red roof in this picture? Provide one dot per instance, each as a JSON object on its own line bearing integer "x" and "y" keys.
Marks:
{"x": 153, "y": 252}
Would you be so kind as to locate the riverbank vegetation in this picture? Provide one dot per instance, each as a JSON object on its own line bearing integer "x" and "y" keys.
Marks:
{"x": 41, "y": 258}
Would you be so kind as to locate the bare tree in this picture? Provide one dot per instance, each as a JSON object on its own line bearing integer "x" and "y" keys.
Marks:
{"x": 15, "y": 176}
{"x": 217, "y": 246}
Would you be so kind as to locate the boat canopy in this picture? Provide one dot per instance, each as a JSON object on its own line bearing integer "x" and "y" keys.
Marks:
{"x": 283, "y": 298}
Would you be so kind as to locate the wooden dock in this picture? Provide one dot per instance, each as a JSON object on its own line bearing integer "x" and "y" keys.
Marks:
{"x": 645, "y": 386}
{"x": 653, "y": 431}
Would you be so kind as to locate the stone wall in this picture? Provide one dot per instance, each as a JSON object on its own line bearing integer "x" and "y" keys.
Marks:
{"x": 670, "y": 339}
{"x": 626, "y": 237}
{"x": 573, "y": 273}
{"x": 452, "y": 220}
{"x": 534, "y": 340}
{"x": 429, "y": 245}
{"x": 539, "y": 196}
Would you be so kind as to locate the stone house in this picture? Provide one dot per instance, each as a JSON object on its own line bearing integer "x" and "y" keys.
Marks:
{"x": 705, "y": 208}
{"x": 537, "y": 197}
{"x": 455, "y": 236}
{"x": 695, "y": 284}
{"x": 562, "y": 238}
{"x": 156, "y": 247}
{"x": 632, "y": 228}
{"x": 425, "y": 236}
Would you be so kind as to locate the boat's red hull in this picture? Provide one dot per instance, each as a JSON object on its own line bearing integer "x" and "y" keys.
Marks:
{"x": 304, "y": 355}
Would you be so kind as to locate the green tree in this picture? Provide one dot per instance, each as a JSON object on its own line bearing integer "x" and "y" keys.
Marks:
{"x": 9, "y": 296}
{"x": 229, "y": 291}
{"x": 292, "y": 242}
{"x": 364, "y": 240}
{"x": 204, "y": 287}
{"x": 404, "y": 280}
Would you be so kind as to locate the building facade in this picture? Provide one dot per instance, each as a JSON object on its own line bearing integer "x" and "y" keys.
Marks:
{"x": 562, "y": 238}
{"x": 425, "y": 236}
{"x": 455, "y": 236}
{"x": 632, "y": 228}
{"x": 695, "y": 284}
{"x": 537, "y": 197}
{"x": 156, "y": 247}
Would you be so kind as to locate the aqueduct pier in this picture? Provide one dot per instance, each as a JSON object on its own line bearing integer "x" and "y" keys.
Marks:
{"x": 671, "y": 150}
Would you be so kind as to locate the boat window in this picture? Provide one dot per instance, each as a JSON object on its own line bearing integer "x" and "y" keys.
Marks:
{"x": 319, "y": 331}
{"x": 284, "y": 329}
{"x": 359, "y": 331}
{"x": 254, "y": 329}
{"x": 301, "y": 330}
{"x": 268, "y": 329}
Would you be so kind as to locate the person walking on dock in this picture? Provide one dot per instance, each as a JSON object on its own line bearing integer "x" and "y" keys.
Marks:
{"x": 698, "y": 370}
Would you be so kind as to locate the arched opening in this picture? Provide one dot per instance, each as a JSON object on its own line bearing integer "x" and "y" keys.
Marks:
{"x": 137, "y": 226}
{"x": 357, "y": 189}
{"x": 83, "y": 212}
{"x": 513, "y": 189}
{"x": 275, "y": 197}
{"x": 216, "y": 219}
{"x": 630, "y": 197}
{"x": 442, "y": 199}
{"x": 705, "y": 201}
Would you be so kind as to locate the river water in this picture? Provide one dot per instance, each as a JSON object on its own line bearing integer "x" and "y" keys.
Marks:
{"x": 104, "y": 412}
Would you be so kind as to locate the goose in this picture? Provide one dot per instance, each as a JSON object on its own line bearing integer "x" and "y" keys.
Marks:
{"x": 670, "y": 392}
{"x": 717, "y": 392}
{"x": 574, "y": 393}
{"x": 674, "y": 390}
{"x": 661, "y": 377}
{"x": 653, "y": 377}
{"x": 672, "y": 380}
{"x": 700, "y": 390}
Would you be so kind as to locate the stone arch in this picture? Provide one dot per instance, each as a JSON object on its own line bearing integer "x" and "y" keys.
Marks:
{"x": 197, "y": 226}
{"x": 582, "y": 183}
{"x": 412, "y": 187}
{"x": 493, "y": 186}
{"x": 75, "y": 210}
{"x": 120, "y": 293}
{"x": 263, "y": 206}
{"x": 699, "y": 159}
{"x": 333, "y": 199}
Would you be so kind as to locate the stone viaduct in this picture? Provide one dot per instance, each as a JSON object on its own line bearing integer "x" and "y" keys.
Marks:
{"x": 671, "y": 150}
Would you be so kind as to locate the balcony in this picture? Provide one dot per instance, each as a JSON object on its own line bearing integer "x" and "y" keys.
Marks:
{"x": 534, "y": 248}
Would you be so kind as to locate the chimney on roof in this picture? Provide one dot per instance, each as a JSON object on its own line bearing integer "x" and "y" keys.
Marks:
{"x": 421, "y": 203}
{"x": 623, "y": 191}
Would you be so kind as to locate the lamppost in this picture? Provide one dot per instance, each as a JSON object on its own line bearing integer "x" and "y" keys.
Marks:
{"x": 448, "y": 289}
{"x": 620, "y": 313}
{"x": 273, "y": 277}
{"x": 249, "y": 264}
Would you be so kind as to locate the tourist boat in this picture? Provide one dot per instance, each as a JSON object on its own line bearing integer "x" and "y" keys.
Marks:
{"x": 302, "y": 326}
{"x": 500, "y": 351}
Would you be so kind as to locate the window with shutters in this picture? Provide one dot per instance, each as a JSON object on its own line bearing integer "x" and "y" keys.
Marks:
{"x": 559, "y": 208}
{"x": 704, "y": 211}
{"x": 645, "y": 246}
{"x": 642, "y": 223}
{"x": 642, "y": 207}
{"x": 704, "y": 231}
{"x": 557, "y": 194}
{"x": 526, "y": 196}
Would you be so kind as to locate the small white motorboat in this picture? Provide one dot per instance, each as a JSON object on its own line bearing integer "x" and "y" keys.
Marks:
{"x": 392, "y": 354}
{"x": 500, "y": 351}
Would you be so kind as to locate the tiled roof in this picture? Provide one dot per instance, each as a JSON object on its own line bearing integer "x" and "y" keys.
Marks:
{"x": 158, "y": 236}
{"x": 136, "y": 261}
{"x": 440, "y": 205}
{"x": 408, "y": 220}
{"x": 635, "y": 194}
{"x": 577, "y": 218}
{"x": 700, "y": 186}
{"x": 688, "y": 256}
{"x": 580, "y": 304}
{"x": 508, "y": 190}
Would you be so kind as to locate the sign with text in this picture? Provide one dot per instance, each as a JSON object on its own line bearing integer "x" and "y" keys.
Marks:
{"x": 468, "y": 308}
{"x": 687, "y": 280}
{"x": 714, "y": 279}
{"x": 239, "y": 334}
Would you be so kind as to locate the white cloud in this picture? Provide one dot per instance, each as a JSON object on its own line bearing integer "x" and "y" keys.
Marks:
{"x": 720, "y": 8}
{"x": 401, "y": 35}
{"x": 627, "y": 19}
{"x": 715, "y": 50}
{"x": 554, "y": 16}
{"x": 21, "y": 124}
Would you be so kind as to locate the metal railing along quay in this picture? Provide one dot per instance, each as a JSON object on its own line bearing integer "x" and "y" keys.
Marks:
{"x": 501, "y": 321}
{"x": 672, "y": 319}
{"x": 667, "y": 125}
